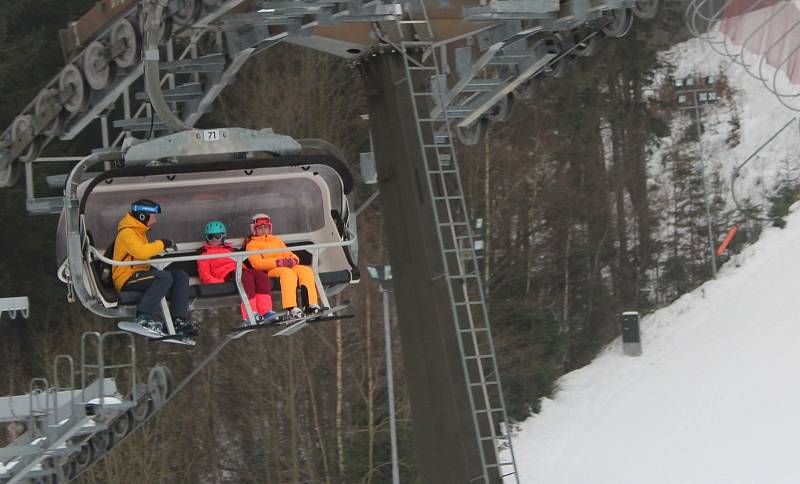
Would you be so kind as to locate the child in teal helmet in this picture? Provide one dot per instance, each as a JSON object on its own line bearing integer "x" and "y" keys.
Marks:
{"x": 223, "y": 269}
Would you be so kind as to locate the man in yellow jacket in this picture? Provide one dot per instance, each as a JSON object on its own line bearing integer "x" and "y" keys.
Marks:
{"x": 132, "y": 244}
{"x": 283, "y": 265}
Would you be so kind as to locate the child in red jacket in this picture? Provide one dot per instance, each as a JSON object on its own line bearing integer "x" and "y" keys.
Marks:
{"x": 214, "y": 271}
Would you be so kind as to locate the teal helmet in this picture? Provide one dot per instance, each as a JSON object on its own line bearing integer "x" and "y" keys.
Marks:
{"x": 215, "y": 227}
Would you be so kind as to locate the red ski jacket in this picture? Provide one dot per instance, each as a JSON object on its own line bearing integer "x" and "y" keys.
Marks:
{"x": 212, "y": 271}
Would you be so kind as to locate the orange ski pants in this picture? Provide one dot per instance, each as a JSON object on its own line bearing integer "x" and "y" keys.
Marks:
{"x": 289, "y": 277}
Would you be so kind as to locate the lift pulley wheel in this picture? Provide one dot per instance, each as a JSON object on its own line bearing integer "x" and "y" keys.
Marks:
{"x": 72, "y": 89}
{"x": 164, "y": 29}
{"x": 125, "y": 43}
{"x": 101, "y": 441}
{"x": 620, "y": 23}
{"x": 586, "y": 47}
{"x": 647, "y": 9}
{"x": 71, "y": 468}
{"x": 120, "y": 427}
{"x": 527, "y": 89}
{"x": 502, "y": 110}
{"x": 474, "y": 133}
{"x": 97, "y": 65}
{"x": 188, "y": 13}
{"x": 143, "y": 407}
{"x": 159, "y": 384}
{"x": 22, "y": 129}
{"x": 9, "y": 174}
{"x": 60, "y": 465}
{"x": 46, "y": 103}
{"x": 85, "y": 456}
{"x": 558, "y": 68}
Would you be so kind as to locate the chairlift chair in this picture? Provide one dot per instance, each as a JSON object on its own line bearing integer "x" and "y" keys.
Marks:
{"x": 303, "y": 186}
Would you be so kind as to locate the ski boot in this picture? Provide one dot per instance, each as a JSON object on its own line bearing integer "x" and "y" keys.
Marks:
{"x": 313, "y": 310}
{"x": 147, "y": 322}
{"x": 186, "y": 328}
{"x": 294, "y": 313}
{"x": 269, "y": 317}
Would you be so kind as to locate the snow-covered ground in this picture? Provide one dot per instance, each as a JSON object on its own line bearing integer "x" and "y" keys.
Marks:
{"x": 713, "y": 399}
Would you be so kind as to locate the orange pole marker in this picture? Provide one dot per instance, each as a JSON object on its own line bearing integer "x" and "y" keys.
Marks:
{"x": 727, "y": 241}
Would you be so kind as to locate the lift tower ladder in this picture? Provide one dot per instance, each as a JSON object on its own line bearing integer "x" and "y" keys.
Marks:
{"x": 422, "y": 68}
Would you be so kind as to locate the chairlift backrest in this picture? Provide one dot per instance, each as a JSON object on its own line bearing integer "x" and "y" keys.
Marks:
{"x": 298, "y": 203}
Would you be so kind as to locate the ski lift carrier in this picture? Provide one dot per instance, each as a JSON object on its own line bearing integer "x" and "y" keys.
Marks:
{"x": 197, "y": 176}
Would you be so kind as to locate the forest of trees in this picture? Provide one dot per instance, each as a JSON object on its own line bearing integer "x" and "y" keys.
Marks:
{"x": 575, "y": 229}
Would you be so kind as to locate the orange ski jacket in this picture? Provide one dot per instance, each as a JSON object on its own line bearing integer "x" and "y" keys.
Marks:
{"x": 265, "y": 262}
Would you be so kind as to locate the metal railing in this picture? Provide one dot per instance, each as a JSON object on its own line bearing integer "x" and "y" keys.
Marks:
{"x": 101, "y": 367}
{"x": 12, "y": 305}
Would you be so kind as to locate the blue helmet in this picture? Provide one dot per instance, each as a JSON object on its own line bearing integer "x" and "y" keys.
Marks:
{"x": 141, "y": 209}
{"x": 215, "y": 227}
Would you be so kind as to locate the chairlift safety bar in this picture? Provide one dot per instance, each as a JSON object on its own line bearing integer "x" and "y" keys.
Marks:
{"x": 231, "y": 255}
{"x": 239, "y": 258}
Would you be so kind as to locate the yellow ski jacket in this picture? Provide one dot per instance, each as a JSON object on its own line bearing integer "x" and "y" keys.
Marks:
{"x": 132, "y": 244}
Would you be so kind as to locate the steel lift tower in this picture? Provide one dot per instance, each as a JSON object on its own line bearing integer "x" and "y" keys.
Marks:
{"x": 435, "y": 71}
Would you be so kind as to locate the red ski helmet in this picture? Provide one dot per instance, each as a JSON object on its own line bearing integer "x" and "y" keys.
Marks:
{"x": 258, "y": 220}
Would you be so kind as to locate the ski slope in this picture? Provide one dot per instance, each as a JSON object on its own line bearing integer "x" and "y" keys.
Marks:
{"x": 715, "y": 398}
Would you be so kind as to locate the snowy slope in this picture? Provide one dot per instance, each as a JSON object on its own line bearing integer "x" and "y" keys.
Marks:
{"x": 759, "y": 112}
{"x": 714, "y": 398}
{"x": 760, "y": 117}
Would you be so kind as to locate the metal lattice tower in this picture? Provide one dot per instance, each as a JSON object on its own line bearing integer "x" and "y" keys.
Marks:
{"x": 69, "y": 427}
{"x": 456, "y": 244}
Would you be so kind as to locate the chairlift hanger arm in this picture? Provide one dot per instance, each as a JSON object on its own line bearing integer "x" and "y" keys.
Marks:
{"x": 154, "y": 10}
{"x": 74, "y": 240}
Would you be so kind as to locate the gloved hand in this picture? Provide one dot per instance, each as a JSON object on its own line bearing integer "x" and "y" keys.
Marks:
{"x": 168, "y": 244}
{"x": 290, "y": 262}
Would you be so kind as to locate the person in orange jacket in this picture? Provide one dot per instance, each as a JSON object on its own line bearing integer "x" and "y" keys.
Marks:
{"x": 132, "y": 244}
{"x": 215, "y": 271}
{"x": 283, "y": 265}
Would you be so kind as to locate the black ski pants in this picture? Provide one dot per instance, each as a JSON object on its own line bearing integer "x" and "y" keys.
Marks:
{"x": 155, "y": 284}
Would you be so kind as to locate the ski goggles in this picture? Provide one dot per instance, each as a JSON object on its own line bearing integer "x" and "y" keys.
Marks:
{"x": 262, "y": 222}
{"x": 215, "y": 236}
{"x": 146, "y": 208}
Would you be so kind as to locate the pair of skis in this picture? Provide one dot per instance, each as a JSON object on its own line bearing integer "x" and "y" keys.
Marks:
{"x": 177, "y": 338}
{"x": 293, "y": 325}
{"x": 290, "y": 326}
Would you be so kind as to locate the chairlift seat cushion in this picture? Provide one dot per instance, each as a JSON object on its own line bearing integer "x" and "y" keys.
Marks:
{"x": 335, "y": 277}
{"x": 220, "y": 289}
{"x": 129, "y": 298}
